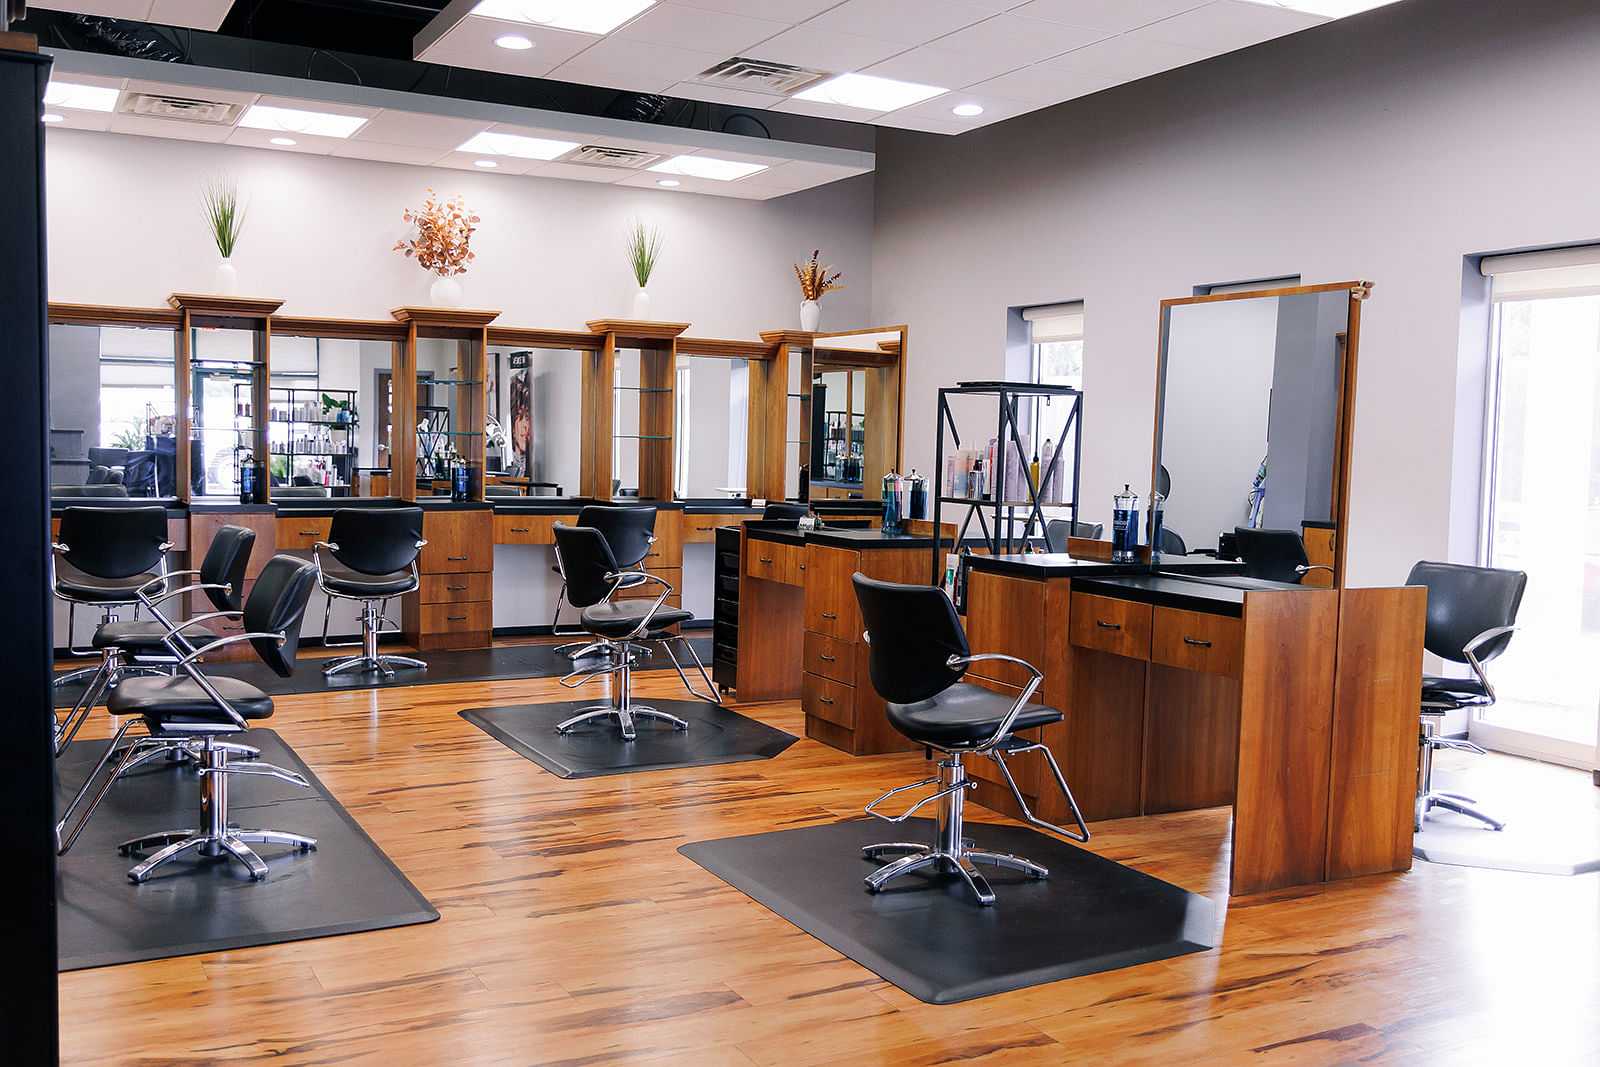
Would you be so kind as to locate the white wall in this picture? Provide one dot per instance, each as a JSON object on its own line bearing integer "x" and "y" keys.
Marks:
{"x": 125, "y": 227}
{"x": 1386, "y": 147}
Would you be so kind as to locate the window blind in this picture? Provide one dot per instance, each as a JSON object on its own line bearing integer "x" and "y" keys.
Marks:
{"x": 1054, "y": 322}
{"x": 1539, "y": 275}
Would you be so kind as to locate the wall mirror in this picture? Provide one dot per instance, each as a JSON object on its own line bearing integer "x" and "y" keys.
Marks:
{"x": 710, "y": 427}
{"x": 227, "y": 413}
{"x": 850, "y": 414}
{"x": 113, "y": 410}
{"x": 535, "y": 418}
{"x": 1252, "y": 433}
{"x": 450, "y": 405}
{"x": 319, "y": 429}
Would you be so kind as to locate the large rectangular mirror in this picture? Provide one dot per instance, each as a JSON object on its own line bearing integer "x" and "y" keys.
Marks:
{"x": 1252, "y": 423}
{"x": 535, "y": 419}
{"x": 710, "y": 426}
{"x": 450, "y": 400}
{"x": 319, "y": 429}
{"x": 227, "y": 423}
{"x": 850, "y": 414}
{"x": 113, "y": 410}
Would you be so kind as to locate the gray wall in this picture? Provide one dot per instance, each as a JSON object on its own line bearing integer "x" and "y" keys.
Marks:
{"x": 1385, "y": 146}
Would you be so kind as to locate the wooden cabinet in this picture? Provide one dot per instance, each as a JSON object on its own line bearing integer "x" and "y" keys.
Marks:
{"x": 521, "y": 529}
{"x": 829, "y": 700}
{"x": 775, "y": 561}
{"x": 453, "y": 607}
{"x": 300, "y": 534}
{"x": 830, "y": 596}
{"x": 1196, "y": 641}
{"x": 829, "y": 657}
{"x": 702, "y": 529}
{"x": 203, "y": 527}
{"x": 1121, "y": 627}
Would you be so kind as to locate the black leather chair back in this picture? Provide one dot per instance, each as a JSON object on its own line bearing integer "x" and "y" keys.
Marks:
{"x": 113, "y": 542}
{"x": 224, "y": 564}
{"x": 104, "y": 489}
{"x": 585, "y": 557}
{"x": 301, "y": 480}
{"x": 502, "y": 490}
{"x": 1271, "y": 554}
{"x": 108, "y": 457}
{"x": 1463, "y": 602}
{"x": 100, "y": 476}
{"x": 787, "y": 511}
{"x": 376, "y": 540}
{"x": 626, "y": 529}
{"x": 277, "y": 605}
{"x": 911, "y": 630}
{"x": 1170, "y": 544}
{"x": 300, "y": 491}
{"x": 1056, "y": 532}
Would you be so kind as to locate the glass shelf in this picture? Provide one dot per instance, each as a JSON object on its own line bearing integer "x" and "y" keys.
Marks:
{"x": 640, "y": 437}
{"x": 640, "y": 389}
{"x": 448, "y": 381}
{"x": 277, "y": 452}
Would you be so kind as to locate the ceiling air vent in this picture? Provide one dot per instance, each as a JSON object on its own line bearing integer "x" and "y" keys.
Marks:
{"x": 599, "y": 155}
{"x": 181, "y": 108}
{"x": 760, "y": 76}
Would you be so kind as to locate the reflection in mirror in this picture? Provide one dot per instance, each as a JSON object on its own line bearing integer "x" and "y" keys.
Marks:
{"x": 226, "y": 370}
{"x": 711, "y": 419}
{"x": 1250, "y": 420}
{"x": 113, "y": 407}
{"x": 797, "y": 442}
{"x": 851, "y": 414}
{"x": 318, "y": 428}
{"x": 625, "y": 431}
{"x": 448, "y": 406}
{"x": 536, "y": 419}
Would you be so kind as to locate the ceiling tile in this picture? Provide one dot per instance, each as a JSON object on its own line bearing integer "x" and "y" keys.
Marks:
{"x": 173, "y": 128}
{"x": 194, "y": 14}
{"x": 76, "y": 118}
{"x": 995, "y": 109}
{"x": 806, "y": 46}
{"x": 801, "y": 174}
{"x": 940, "y": 66}
{"x": 419, "y": 131}
{"x": 685, "y": 27}
{"x": 820, "y": 110}
{"x": 470, "y": 43}
{"x": 319, "y": 106}
{"x": 790, "y": 11}
{"x": 1019, "y": 40}
{"x": 720, "y": 94}
{"x": 905, "y": 22}
{"x": 1230, "y": 24}
{"x": 136, "y": 10}
{"x": 1115, "y": 15}
{"x": 635, "y": 65}
{"x": 1034, "y": 85}
{"x": 384, "y": 153}
{"x": 317, "y": 146}
{"x": 1130, "y": 56}
{"x": 925, "y": 124}
{"x": 469, "y": 161}
{"x": 579, "y": 173}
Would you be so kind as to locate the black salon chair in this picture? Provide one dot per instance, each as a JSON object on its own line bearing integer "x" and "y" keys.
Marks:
{"x": 370, "y": 556}
{"x": 784, "y": 511}
{"x": 300, "y": 492}
{"x": 622, "y": 630}
{"x": 201, "y": 712}
{"x": 1169, "y": 543}
{"x": 101, "y": 558}
{"x": 103, "y": 490}
{"x": 502, "y": 490}
{"x": 1056, "y": 532}
{"x": 628, "y": 531}
{"x": 1274, "y": 555}
{"x": 1472, "y": 612}
{"x": 918, "y": 654}
{"x": 99, "y": 475}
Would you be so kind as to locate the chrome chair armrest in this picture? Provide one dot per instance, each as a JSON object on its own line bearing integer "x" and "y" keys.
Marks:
{"x": 59, "y": 548}
{"x": 160, "y": 579}
{"x": 1307, "y": 568}
{"x": 422, "y": 543}
{"x": 231, "y": 639}
{"x": 1004, "y": 729}
{"x": 616, "y": 578}
{"x": 1470, "y": 650}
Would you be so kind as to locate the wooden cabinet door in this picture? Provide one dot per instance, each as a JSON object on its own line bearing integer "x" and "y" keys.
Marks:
{"x": 830, "y": 597}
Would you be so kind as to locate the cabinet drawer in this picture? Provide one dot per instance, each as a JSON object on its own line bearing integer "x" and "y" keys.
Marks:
{"x": 830, "y": 657}
{"x": 827, "y": 699}
{"x": 298, "y": 535}
{"x": 529, "y": 529}
{"x": 1195, "y": 641}
{"x": 702, "y": 529}
{"x": 458, "y": 541}
{"x": 1121, "y": 627}
{"x": 457, "y": 618}
{"x": 776, "y": 562}
{"x": 456, "y": 588}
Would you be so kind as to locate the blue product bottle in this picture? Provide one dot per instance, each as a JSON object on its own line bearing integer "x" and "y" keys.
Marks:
{"x": 891, "y": 503}
{"x": 1125, "y": 526}
{"x": 247, "y": 480}
{"x": 459, "y": 483}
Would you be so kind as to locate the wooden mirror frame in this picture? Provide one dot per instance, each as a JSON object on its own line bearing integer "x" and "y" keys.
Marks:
{"x": 1358, "y": 292}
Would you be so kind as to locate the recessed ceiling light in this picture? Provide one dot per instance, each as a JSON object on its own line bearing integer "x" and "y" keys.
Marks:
{"x": 81, "y": 97}
{"x": 584, "y": 16}
{"x": 486, "y": 164}
{"x": 1332, "y": 9}
{"x": 718, "y": 170}
{"x": 968, "y": 111}
{"x": 514, "y": 41}
{"x": 294, "y": 120}
{"x": 869, "y": 93}
{"x": 50, "y": 116}
{"x": 668, "y": 183}
{"x": 511, "y": 144}
{"x": 284, "y": 141}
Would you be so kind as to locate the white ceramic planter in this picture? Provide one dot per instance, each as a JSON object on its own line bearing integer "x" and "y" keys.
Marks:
{"x": 225, "y": 279}
{"x": 445, "y": 292}
{"x": 810, "y": 315}
{"x": 641, "y": 306}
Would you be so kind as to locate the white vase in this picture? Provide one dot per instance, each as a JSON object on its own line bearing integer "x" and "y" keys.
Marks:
{"x": 225, "y": 279}
{"x": 810, "y": 315}
{"x": 641, "y": 306}
{"x": 445, "y": 292}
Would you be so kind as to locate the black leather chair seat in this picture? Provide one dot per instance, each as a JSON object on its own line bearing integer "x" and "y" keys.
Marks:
{"x": 142, "y": 637}
{"x": 181, "y": 701}
{"x": 92, "y": 589}
{"x": 964, "y": 714}
{"x": 341, "y": 579}
{"x": 621, "y": 617}
{"x": 1453, "y": 692}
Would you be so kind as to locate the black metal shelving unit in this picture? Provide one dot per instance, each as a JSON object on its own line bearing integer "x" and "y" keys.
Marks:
{"x": 343, "y": 460}
{"x": 999, "y": 533}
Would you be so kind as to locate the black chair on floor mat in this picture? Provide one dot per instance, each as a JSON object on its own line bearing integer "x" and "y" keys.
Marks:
{"x": 1274, "y": 555}
{"x": 200, "y": 712}
{"x": 918, "y": 654}
{"x": 629, "y": 532}
{"x": 622, "y": 630}
{"x": 1472, "y": 612}
{"x": 101, "y": 558}
{"x": 370, "y": 557}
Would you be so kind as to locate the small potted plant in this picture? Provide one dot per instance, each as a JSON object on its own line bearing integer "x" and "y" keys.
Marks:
{"x": 816, "y": 278}
{"x": 441, "y": 243}
{"x": 224, "y": 220}
{"x": 644, "y": 248}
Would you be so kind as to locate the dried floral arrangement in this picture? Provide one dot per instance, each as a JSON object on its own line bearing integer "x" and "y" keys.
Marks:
{"x": 815, "y": 278}
{"x": 443, "y": 238}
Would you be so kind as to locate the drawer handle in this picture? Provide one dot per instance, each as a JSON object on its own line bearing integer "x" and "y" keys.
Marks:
{"x": 1107, "y": 625}
{"x": 1196, "y": 642}
{"x": 826, "y": 700}
{"x": 829, "y": 615}
{"x": 766, "y": 559}
{"x": 455, "y": 618}
{"x": 456, "y": 559}
{"x": 824, "y": 657}
{"x": 802, "y": 566}
{"x": 455, "y": 589}
{"x": 704, "y": 529}
{"x": 522, "y": 529}
{"x": 309, "y": 533}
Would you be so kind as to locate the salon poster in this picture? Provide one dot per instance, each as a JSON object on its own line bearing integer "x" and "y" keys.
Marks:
{"x": 519, "y": 409}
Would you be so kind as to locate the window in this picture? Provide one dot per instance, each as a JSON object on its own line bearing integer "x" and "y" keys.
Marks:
{"x": 1055, "y": 344}
{"x": 683, "y": 429}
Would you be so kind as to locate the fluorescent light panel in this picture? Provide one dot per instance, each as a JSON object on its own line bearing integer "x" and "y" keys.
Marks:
{"x": 1332, "y": 9}
{"x": 510, "y": 144}
{"x": 581, "y": 16}
{"x": 81, "y": 97}
{"x": 709, "y": 167}
{"x": 869, "y": 93}
{"x": 294, "y": 120}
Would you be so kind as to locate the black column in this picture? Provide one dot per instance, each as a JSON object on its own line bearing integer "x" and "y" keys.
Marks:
{"x": 27, "y": 768}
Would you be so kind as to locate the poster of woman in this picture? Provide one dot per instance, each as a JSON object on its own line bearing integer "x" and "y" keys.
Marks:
{"x": 520, "y": 408}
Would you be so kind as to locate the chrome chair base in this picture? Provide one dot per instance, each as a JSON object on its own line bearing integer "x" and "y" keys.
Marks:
{"x": 623, "y": 657}
{"x": 1461, "y": 805}
{"x": 1428, "y": 797}
{"x": 625, "y": 718}
{"x": 369, "y": 659}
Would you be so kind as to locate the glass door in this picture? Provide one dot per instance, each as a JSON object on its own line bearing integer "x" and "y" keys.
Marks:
{"x": 1543, "y": 517}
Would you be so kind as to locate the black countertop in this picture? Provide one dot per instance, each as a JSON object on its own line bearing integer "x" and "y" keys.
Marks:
{"x": 174, "y": 509}
{"x": 1041, "y": 565}
{"x": 1190, "y": 594}
{"x": 860, "y": 540}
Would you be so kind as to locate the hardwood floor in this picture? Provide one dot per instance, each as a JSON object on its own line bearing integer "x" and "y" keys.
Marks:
{"x": 573, "y": 933}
